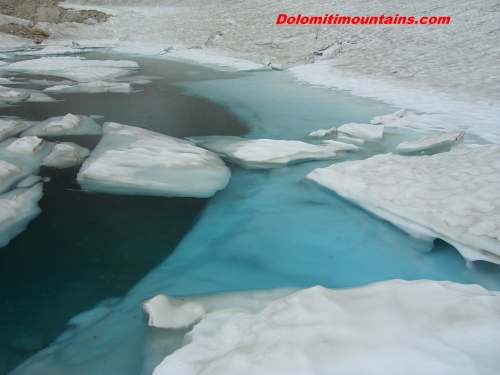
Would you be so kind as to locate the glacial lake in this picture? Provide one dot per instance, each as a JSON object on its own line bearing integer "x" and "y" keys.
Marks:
{"x": 267, "y": 229}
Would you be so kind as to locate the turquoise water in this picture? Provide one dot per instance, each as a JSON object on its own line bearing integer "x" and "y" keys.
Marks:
{"x": 267, "y": 229}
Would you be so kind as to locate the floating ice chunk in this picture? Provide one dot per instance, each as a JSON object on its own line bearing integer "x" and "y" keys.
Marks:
{"x": 370, "y": 133}
{"x": 64, "y": 155}
{"x": 356, "y": 141}
{"x": 386, "y": 327}
{"x": 263, "y": 153}
{"x": 17, "y": 208}
{"x": 339, "y": 146}
{"x": 10, "y": 95}
{"x": 6, "y": 170}
{"x": 92, "y": 87}
{"x": 9, "y": 128}
{"x": 53, "y": 50}
{"x": 164, "y": 314}
{"x": 392, "y": 118}
{"x": 29, "y": 181}
{"x": 454, "y": 196}
{"x": 40, "y": 97}
{"x": 75, "y": 68}
{"x": 432, "y": 142}
{"x": 26, "y": 145}
{"x": 65, "y": 125}
{"x": 323, "y": 133}
{"x": 131, "y": 160}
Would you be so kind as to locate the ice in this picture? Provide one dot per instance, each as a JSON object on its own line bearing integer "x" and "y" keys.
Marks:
{"x": 164, "y": 314}
{"x": 75, "y": 68}
{"x": 40, "y": 97}
{"x": 339, "y": 146}
{"x": 26, "y": 145}
{"x": 53, "y": 50}
{"x": 29, "y": 181}
{"x": 131, "y": 160}
{"x": 92, "y": 87}
{"x": 346, "y": 331}
{"x": 454, "y": 196}
{"x": 263, "y": 153}
{"x": 66, "y": 154}
{"x": 370, "y": 133}
{"x": 11, "y": 127}
{"x": 10, "y": 95}
{"x": 434, "y": 142}
{"x": 323, "y": 133}
{"x": 17, "y": 208}
{"x": 64, "y": 125}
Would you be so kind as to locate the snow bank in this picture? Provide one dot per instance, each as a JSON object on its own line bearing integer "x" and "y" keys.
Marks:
{"x": 66, "y": 154}
{"x": 17, "y": 208}
{"x": 131, "y": 160}
{"x": 263, "y": 153}
{"x": 75, "y": 68}
{"x": 92, "y": 87}
{"x": 433, "y": 142}
{"x": 370, "y": 133}
{"x": 388, "y": 327}
{"x": 454, "y": 196}
{"x": 65, "y": 125}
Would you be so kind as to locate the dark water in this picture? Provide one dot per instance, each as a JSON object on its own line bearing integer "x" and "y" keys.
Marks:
{"x": 84, "y": 248}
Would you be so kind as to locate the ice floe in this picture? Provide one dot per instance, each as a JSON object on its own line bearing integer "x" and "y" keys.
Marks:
{"x": 64, "y": 125}
{"x": 163, "y": 313}
{"x": 40, "y": 97}
{"x": 11, "y": 127}
{"x": 10, "y": 95}
{"x": 387, "y": 327}
{"x": 321, "y": 133}
{"x": 132, "y": 160}
{"x": 26, "y": 145}
{"x": 92, "y": 87}
{"x": 454, "y": 196}
{"x": 264, "y": 153}
{"x": 17, "y": 208}
{"x": 75, "y": 68}
{"x": 66, "y": 154}
{"x": 367, "y": 132}
{"x": 436, "y": 142}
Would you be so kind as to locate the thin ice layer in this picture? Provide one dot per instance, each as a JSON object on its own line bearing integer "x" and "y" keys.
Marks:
{"x": 17, "y": 208}
{"x": 387, "y": 327}
{"x": 75, "y": 68}
{"x": 131, "y": 160}
{"x": 264, "y": 153}
{"x": 454, "y": 196}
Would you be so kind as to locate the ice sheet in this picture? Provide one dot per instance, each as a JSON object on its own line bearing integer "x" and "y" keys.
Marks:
{"x": 75, "y": 68}
{"x": 131, "y": 160}
{"x": 454, "y": 196}
{"x": 264, "y": 153}
{"x": 391, "y": 326}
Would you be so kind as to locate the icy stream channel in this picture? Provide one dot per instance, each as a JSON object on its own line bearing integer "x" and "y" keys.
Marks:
{"x": 266, "y": 229}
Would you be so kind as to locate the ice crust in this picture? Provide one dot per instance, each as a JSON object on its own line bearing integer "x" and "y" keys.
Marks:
{"x": 433, "y": 142}
{"x": 66, "y": 154}
{"x": 264, "y": 153}
{"x": 131, "y": 160}
{"x": 349, "y": 331}
{"x": 454, "y": 196}
{"x": 75, "y": 68}
{"x": 17, "y": 208}
{"x": 92, "y": 87}
{"x": 65, "y": 125}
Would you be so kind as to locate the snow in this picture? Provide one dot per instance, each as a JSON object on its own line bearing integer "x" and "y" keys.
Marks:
{"x": 92, "y": 87}
{"x": 432, "y": 142}
{"x": 75, "y": 68}
{"x": 64, "y": 125}
{"x": 454, "y": 196}
{"x": 370, "y": 133}
{"x": 17, "y": 208}
{"x": 131, "y": 160}
{"x": 263, "y": 153}
{"x": 348, "y": 331}
{"x": 66, "y": 154}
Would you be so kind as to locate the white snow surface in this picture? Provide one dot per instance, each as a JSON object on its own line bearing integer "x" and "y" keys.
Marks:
{"x": 264, "y": 153}
{"x": 75, "y": 68}
{"x": 431, "y": 142}
{"x": 132, "y": 160}
{"x": 68, "y": 124}
{"x": 66, "y": 154}
{"x": 395, "y": 326}
{"x": 92, "y": 87}
{"x": 454, "y": 196}
{"x": 17, "y": 208}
